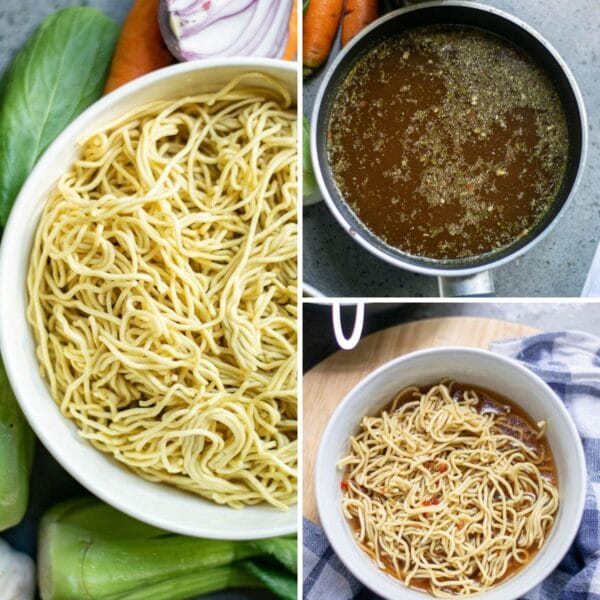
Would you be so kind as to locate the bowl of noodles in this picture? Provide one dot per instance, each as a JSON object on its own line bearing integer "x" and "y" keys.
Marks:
{"x": 149, "y": 298}
{"x": 451, "y": 472}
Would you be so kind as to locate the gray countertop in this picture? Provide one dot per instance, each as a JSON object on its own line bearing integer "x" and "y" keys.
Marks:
{"x": 558, "y": 265}
{"x": 50, "y": 483}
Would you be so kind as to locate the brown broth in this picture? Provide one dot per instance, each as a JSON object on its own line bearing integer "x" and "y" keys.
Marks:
{"x": 448, "y": 142}
{"x": 518, "y": 423}
{"x": 521, "y": 424}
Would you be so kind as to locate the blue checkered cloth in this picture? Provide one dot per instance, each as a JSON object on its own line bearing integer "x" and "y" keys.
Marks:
{"x": 570, "y": 363}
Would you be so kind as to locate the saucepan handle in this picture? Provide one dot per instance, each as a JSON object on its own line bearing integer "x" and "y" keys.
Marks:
{"x": 347, "y": 343}
{"x": 480, "y": 284}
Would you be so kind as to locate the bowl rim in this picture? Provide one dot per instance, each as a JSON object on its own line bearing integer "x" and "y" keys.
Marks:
{"x": 17, "y": 376}
{"x": 568, "y": 428}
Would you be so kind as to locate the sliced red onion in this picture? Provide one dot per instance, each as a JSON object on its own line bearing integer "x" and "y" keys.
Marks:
{"x": 195, "y": 29}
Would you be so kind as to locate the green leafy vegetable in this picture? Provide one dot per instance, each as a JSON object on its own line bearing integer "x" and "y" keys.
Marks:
{"x": 58, "y": 73}
{"x": 283, "y": 585}
{"x": 88, "y": 549}
{"x": 282, "y": 549}
{"x": 190, "y": 585}
{"x": 16, "y": 455}
{"x": 309, "y": 183}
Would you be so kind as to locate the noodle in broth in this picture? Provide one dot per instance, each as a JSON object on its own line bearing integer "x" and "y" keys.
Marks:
{"x": 448, "y": 493}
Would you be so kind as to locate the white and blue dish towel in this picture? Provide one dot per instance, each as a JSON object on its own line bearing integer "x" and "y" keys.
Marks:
{"x": 569, "y": 362}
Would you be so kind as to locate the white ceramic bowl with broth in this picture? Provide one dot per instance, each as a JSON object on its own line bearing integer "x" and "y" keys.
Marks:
{"x": 471, "y": 366}
{"x": 158, "y": 504}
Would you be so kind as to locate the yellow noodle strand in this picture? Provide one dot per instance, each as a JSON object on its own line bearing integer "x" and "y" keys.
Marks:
{"x": 162, "y": 293}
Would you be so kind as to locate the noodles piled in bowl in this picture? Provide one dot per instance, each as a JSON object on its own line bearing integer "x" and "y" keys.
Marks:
{"x": 163, "y": 293}
{"x": 449, "y": 489}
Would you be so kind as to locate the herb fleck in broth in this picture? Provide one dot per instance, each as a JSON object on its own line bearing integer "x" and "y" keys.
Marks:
{"x": 448, "y": 142}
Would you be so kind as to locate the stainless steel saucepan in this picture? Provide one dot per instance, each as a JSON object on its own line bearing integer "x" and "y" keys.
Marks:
{"x": 470, "y": 277}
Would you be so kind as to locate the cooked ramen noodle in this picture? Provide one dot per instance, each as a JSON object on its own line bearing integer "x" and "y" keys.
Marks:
{"x": 163, "y": 292}
{"x": 450, "y": 489}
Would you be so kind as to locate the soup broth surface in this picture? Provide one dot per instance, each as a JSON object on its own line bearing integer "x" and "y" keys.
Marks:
{"x": 448, "y": 142}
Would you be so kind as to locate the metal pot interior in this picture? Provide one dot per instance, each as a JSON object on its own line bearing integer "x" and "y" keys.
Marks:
{"x": 475, "y": 16}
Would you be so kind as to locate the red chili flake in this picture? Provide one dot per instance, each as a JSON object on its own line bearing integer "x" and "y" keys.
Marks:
{"x": 460, "y": 525}
{"x": 443, "y": 467}
{"x": 344, "y": 485}
{"x": 382, "y": 490}
{"x": 431, "y": 502}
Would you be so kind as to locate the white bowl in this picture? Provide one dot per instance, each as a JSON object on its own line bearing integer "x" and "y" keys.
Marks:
{"x": 477, "y": 367}
{"x": 160, "y": 505}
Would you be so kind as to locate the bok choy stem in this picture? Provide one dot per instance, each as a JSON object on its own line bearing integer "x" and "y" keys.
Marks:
{"x": 90, "y": 550}
{"x": 193, "y": 584}
{"x": 16, "y": 456}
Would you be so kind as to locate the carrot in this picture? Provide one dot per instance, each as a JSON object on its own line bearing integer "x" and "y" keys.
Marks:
{"x": 140, "y": 48}
{"x": 321, "y": 21}
{"x": 357, "y": 15}
{"x": 291, "y": 50}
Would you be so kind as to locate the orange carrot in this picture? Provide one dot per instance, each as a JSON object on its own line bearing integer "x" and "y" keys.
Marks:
{"x": 320, "y": 26}
{"x": 357, "y": 15}
{"x": 140, "y": 48}
{"x": 291, "y": 49}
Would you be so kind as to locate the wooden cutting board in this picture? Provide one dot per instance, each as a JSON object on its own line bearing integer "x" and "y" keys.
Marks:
{"x": 325, "y": 385}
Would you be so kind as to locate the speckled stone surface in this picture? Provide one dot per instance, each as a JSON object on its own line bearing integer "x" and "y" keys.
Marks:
{"x": 558, "y": 265}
